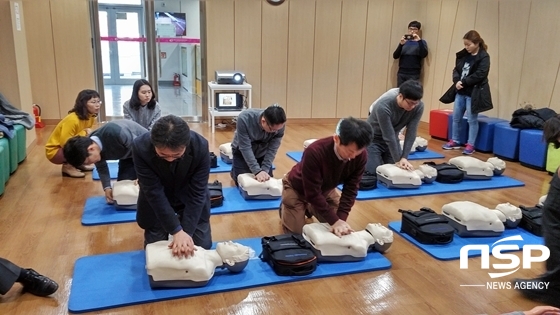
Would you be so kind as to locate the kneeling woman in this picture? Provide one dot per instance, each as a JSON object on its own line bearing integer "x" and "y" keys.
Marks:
{"x": 78, "y": 122}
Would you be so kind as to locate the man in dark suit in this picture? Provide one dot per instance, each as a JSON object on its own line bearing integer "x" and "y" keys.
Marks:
{"x": 32, "y": 281}
{"x": 173, "y": 165}
{"x": 113, "y": 141}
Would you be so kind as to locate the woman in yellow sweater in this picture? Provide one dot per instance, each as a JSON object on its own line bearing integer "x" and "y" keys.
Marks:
{"x": 78, "y": 122}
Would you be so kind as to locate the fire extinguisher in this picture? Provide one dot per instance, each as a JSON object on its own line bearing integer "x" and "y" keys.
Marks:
{"x": 37, "y": 114}
{"x": 176, "y": 80}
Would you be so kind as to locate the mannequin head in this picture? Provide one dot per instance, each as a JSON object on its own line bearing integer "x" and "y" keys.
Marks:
{"x": 234, "y": 255}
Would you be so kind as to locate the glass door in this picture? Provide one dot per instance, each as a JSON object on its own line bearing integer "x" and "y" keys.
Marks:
{"x": 122, "y": 53}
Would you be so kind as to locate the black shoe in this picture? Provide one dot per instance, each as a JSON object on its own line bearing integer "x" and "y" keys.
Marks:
{"x": 530, "y": 289}
{"x": 37, "y": 284}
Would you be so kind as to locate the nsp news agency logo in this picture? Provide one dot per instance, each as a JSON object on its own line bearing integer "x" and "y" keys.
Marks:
{"x": 531, "y": 253}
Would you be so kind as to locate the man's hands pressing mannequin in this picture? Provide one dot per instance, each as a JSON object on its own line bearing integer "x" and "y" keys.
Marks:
{"x": 341, "y": 228}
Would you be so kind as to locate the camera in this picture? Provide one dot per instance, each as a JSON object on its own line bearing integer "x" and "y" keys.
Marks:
{"x": 408, "y": 36}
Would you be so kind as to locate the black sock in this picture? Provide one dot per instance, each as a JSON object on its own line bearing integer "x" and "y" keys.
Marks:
{"x": 22, "y": 274}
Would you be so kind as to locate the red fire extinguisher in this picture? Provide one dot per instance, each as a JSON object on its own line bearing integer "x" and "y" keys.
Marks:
{"x": 37, "y": 114}
{"x": 176, "y": 80}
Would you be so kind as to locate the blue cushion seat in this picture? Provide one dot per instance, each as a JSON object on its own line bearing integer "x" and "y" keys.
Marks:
{"x": 506, "y": 142}
{"x": 532, "y": 149}
{"x": 485, "y": 138}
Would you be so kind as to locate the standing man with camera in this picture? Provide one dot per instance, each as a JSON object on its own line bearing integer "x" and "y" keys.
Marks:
{"x": 410, "y": 52}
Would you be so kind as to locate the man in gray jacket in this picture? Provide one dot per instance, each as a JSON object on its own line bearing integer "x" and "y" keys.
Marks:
{"x": 396, "y": 109}
{"x": 113, "y": 141}
{"x": 256, "y": 140}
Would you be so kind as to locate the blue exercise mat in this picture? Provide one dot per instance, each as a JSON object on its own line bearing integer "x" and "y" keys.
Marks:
{"x": 98, "y": 212}
{"x": 120, "y": 279}
{"x": 113, "y": 170}
{"x": 452, "y": 250}
{"x": 438, "y": 188}
{"x": 223, "y": 167}
{"x": 424, "y": 155}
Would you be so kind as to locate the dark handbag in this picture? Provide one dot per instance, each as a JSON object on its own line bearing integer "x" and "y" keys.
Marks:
{"x": 449, "y": 96}
{"x": 532, "y": 219}
{"x": 368, "y": 181}
{"x": 216, "y": 194}
{"x": 426, "y": 226}
{"x": 213, "y": 160}
{"x": 447, "y": 173}
{"x": 288, "y": 255}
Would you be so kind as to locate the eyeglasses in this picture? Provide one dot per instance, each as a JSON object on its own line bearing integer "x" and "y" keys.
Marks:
{"x": 270, "y": 128}
{"x": 412, "y": 103}
{"x": 95, "y": 102}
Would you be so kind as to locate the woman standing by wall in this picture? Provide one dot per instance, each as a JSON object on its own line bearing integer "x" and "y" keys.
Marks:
{"x": 471, "y": 90}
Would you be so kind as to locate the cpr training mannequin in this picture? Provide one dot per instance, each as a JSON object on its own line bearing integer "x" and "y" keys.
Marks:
{"x": 351, "y": 247}
{"x": 420, "y": 144}
{"x": 477, "y": 169}
{"x": 470, "y": 219}
{"x": 125, "y": 194}
{"x": 251, "y": 188}
{"x": 226, "y": 153}
{"x": 168, "y": 271}
{"x": 393, "y": 176}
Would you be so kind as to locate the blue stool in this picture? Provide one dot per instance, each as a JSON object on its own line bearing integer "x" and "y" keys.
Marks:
{"x": 485, "y": 138}
{"x": 21, "y": 142}
{"x": 464, "y": 125}
{"x": 532, "y": 149}
{"x": 5, "y": 160}
{"x": 506, "y": 142}
{"x": 3, "y": 157}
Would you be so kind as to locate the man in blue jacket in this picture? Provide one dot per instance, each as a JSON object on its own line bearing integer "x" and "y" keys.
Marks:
{"x": 172, "y": 163}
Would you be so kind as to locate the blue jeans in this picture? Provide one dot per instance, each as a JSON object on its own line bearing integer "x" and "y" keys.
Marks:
{"x": 462, "y": 104}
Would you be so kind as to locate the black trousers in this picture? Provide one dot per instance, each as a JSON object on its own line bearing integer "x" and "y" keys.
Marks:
{"x": 551, "y": 232}
{"x": 401, "y": 77}
{"x": 239, "y": 166}
{"x": 378, "y": 154}
{"x": 9, "y": 273}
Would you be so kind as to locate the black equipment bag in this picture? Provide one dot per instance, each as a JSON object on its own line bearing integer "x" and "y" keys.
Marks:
{"x": 447, "y": 173}
{"x": 213, "y": 160}
{"x": 368, "y": 181}
{"x": 288, "y": 255}
{"x": 532, "y": 219}
{"x": 426, "y": 226}
{"x": 216, "y": 194}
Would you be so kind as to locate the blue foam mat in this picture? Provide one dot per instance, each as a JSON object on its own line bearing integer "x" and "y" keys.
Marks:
{"x": 97, "y": 211}
{"x": 424, "y": 155}
{"x": 120, "y": 279}
{"x": 438, "y": 188}
{"x": 452, "y": 250}
{"x": 223, "y": 167}
{"x": 113, "y": 170}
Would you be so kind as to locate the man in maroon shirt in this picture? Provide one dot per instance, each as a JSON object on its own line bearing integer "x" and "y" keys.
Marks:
{"x": 311, "y": 184}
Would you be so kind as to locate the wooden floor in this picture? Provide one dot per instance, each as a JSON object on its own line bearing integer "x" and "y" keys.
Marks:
{"x": 40, "y": 227}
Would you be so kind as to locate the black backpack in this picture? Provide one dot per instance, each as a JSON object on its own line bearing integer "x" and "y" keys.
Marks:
{"x": 532, "y": 219}
{"x": 368, "y": 181}
{"x": 213, "y": 160}
{"x": 216, "y": 194}
{"x": 447, "y": 173}
{"x": 426, "y": 226}
{"x": 288, "y": 255}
